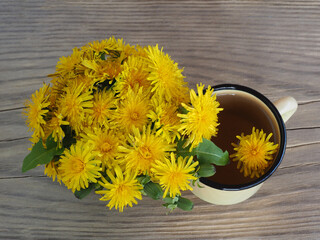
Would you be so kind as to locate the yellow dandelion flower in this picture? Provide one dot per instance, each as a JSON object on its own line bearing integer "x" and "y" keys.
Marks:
{"x": 133, "y": 110}
{"x": 87, "y": 82}
{"x": 122, "y": 191}
{"x": 87, "y": 54}
{"x": 112, "y": 47}
{"x": 166, "y": 120}
{"x": 134, "y": 74}
{"x": 79, "y": 166}
{"x": 34, "y": 139}
{"x": 201, "y": 121}
{"x": 175, "y": 174}
{"x": 74, "y": 104}
{"x": 165, "y": 76}
{"x": 54, "y": 126}
{"x": 85, "y": 124}
{"x": 109, "y": 49}
{"x": 51, "y": 170}
{"x": 103, "y": 104}
{"x": 67, "y": 65}
{"x": 100, "y": 70}
{"x": 36, "y": 109}
{"x": 101, "y": 47}
{"x": 141, "y": 51}
{"x": 254, "y": 153}
{"x": 58, "y": 84}
{"x": 143, "y": 149}
{"x": 111, "y": 68}
{"x": 105, "y": 143}
{"x": 125, "y": 50}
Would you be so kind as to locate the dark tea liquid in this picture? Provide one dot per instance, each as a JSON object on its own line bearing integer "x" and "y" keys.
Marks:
{"x": 242, "y": 111}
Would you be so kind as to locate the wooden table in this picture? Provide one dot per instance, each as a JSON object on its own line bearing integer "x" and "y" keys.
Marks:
{"x": 271, "y": 46}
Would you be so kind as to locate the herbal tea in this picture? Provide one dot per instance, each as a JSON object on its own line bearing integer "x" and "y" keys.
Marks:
{"x": 242, "y": 111}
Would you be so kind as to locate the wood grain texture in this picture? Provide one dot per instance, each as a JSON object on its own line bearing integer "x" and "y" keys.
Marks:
{"x": 271, "y": 46}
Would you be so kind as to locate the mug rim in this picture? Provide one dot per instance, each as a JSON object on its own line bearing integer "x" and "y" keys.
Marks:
{"x": 282, "y": 143}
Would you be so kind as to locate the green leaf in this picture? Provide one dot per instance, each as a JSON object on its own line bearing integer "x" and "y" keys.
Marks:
{"x": 206, "y": 170}
{"x": 208, "y": 152}
{"x": 153, "y": 190}
{"x": 171, "y": 200}
{"x": 40, "y": 155}
{"x": 168, "y": 200}
{"x": 82, "y": 193}
{"x": 185, "y": 204}
{"x": 182, "y": 110}
{"x": 143, "y": 179}
{"x": 184, "y": 152}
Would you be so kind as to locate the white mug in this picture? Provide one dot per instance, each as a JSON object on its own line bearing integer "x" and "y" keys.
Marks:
{"x": 281, "y": 110}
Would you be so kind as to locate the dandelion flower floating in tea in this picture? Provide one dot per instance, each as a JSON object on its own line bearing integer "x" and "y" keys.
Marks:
{"x": 254, "y": 153}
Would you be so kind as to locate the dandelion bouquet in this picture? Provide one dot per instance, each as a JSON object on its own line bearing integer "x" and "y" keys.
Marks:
{"x": 120, "y": 121}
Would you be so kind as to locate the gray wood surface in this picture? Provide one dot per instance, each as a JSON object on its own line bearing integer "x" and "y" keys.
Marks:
{"x": 272, "y": 46}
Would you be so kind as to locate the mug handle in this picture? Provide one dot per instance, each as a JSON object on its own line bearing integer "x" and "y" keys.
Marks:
{"x": 286, "y": 106}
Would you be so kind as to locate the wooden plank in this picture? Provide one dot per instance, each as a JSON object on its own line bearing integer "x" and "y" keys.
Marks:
{"x": 302, "y": 137}
{"x": 12, "y": 155}
{"x": 13, "y": 125}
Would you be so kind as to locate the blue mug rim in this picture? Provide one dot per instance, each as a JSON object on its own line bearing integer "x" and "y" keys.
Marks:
{"x": 282, "y": 144}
